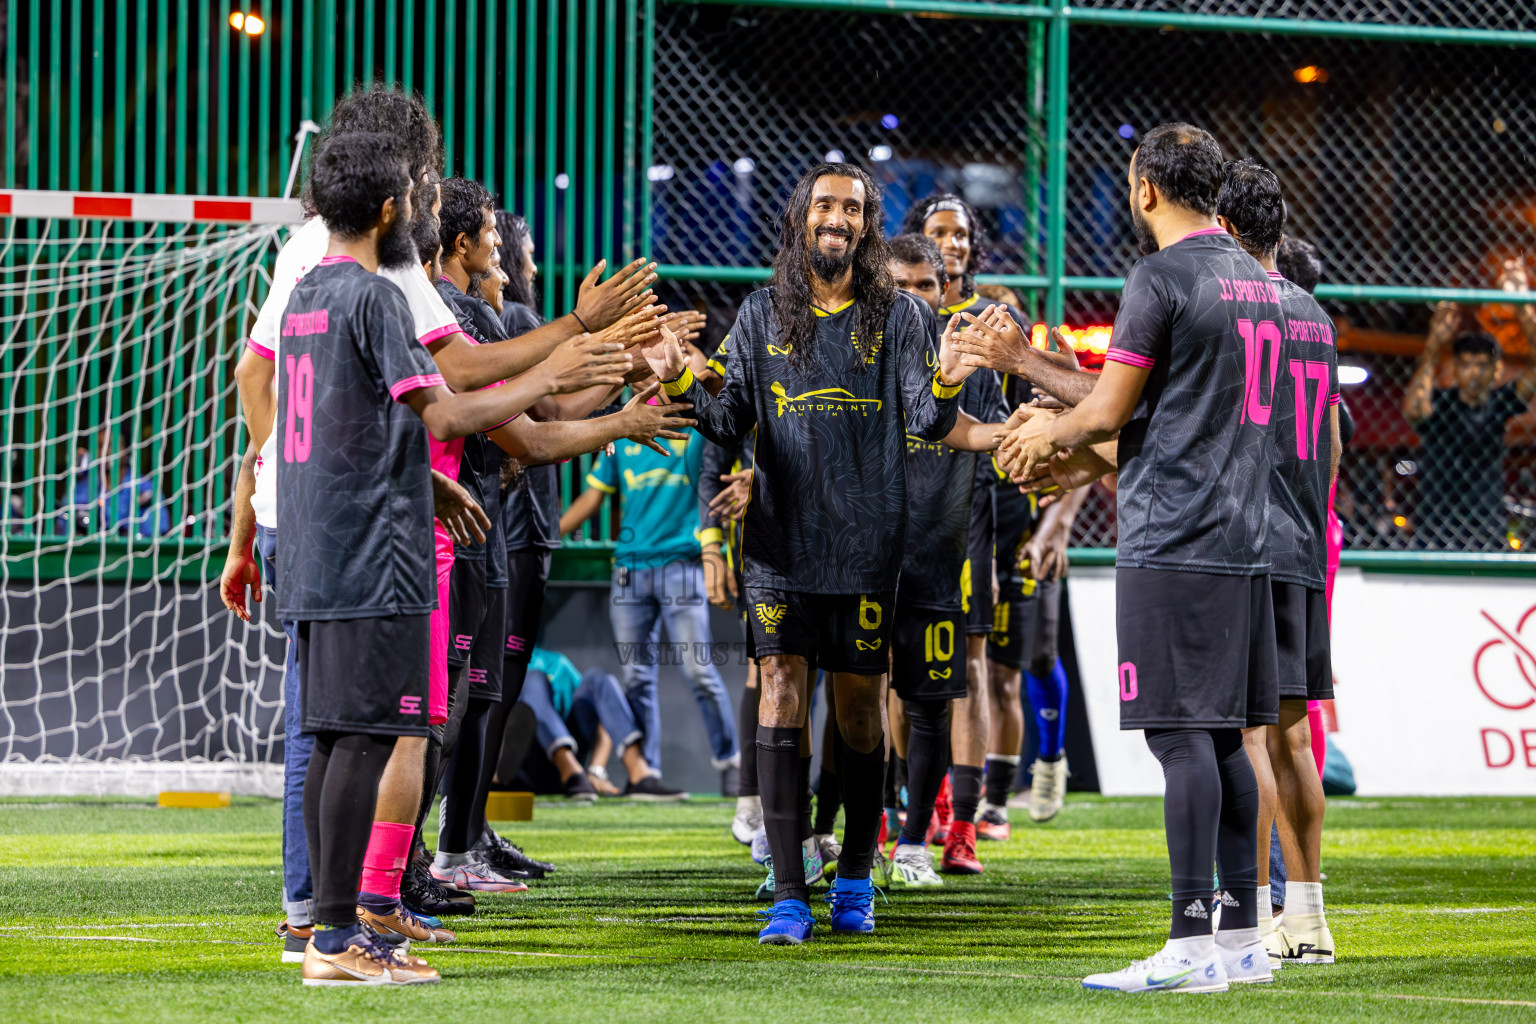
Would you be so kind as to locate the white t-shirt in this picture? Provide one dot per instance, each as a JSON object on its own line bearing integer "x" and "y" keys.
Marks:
{"x": 433, "y": 320}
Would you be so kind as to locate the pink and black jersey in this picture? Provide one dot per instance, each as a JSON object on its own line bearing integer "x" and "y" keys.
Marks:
{"x": 1205, "y": 319}
{"x": 1305, "y": 385}
{"x": 354, "y": 489}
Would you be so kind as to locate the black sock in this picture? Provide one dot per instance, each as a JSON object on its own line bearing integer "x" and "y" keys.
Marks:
{"x": 457, "y": 831}
{"x": 746, "y": 728}
{"x": 778, "y": 778}
{"x": 805, "y": 797}
{"x": 341, "y": 790}
{"x": 927, "y": 761}
{"x": 863, "y": 778}
{"x": 829, "y": 791}
{"x": 1237, "y": 840}
{"x": 999, "y": 778}
{"x": 1191, "y": 812}
{"x": 966, "y": 780}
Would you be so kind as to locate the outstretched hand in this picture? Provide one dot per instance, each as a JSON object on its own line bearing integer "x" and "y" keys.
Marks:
{"x": 664, "y": 354}
{"x": 665, "y": 420}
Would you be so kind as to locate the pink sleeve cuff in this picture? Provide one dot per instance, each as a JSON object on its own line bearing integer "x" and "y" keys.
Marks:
{"x": 440, "y": 332}
{"x": 1120, "y": 355}
{"x": 260, "y": 349}
{"x": 1335, "y": 399}
{"x": 401, "y": 388}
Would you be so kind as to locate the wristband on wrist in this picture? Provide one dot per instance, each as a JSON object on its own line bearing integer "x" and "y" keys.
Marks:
{"x": 579, "y": 320}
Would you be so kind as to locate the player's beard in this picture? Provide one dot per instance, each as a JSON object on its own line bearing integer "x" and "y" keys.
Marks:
{"x": 831, "y": 266}
{"x": 396, "y": 248}
{"x": 1146, "y": 241}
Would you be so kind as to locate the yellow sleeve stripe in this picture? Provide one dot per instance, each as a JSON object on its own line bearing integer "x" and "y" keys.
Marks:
{"x": 945, "y": 390}
{"x": 717, "y": 366}
{"x": 682, "y": 384}
{"x": 713, "y": 535}
{"x": 594, "y": 482}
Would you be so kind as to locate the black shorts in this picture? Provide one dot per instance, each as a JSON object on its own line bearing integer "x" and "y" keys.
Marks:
{"x": 1024, "y": 633}
{"x": 976, "y": 596}
{"x": 928, "y": 653}
{"x": 486, "y": 657}
{"x": 466, "y": 608}
{"x": 746, "y": 628}
{"x": 833, "y": 632}
{"x": 528, "y": 572}
{"x": 1302, "y": 646}
{"x": 1197, "y": 650}
{"x": 365, "y": 675}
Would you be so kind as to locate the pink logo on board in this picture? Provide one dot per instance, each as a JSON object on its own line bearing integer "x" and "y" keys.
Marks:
{"x": 1128, "y": 680}
{"x": 410, "y": 705}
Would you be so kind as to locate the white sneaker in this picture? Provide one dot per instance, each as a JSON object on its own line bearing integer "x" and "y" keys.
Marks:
{"x": 749, "y": 818}
{"x": 1166, "y": 972}
{"x": 1249, "y": 965}
{"x": 1269, "y": 934}
{"x": 912, "y": 864}
{"x": 1049, "y": 790}
{"x": 1305, "y": 939}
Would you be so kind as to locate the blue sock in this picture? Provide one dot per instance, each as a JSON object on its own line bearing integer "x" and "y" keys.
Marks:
{"x": 1048, "y": 698}
{"x": 335, "y": 940}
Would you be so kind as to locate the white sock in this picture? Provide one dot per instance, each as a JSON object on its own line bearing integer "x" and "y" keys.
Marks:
{"x": 1304, "y": 898}
{"x": 1266, "y": 911}
{"x": 1195, "y": 947}
{"x": 1237, "y": 938}
{"x": 445, "y": 860}
{"x": 748, "y": 804}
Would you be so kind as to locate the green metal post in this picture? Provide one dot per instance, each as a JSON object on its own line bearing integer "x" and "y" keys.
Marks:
{"x": 647, "y": 120}
{"x": 568, "y": 200}
{"x": 1035, "y": 82}
{"x": 448, "y": 110}
{"x": 631, "y": 172}
{"x": 589, "y": 143}
{"x": 551, "y": 142}
{"x": 1056, "y": 170}
{"x": 530, "y": 108}
{"x": 391, "y": 40}
{"x": 610, "y": 139}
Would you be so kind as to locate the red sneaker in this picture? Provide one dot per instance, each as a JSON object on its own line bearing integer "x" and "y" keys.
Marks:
{"x": 960, "y": 850}
{"x": 943, "y": 813}
{"x": 992, "y": 825}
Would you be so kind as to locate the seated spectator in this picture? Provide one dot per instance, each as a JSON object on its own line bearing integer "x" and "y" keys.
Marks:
{"x": 575, "y": 713}
{"x": 1461, "y": 488}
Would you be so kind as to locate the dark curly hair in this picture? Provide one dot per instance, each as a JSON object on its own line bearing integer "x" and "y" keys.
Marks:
{"x": 514, "y": 230}
{"x": 1299, "y": 262}
{"x": 914, "y": 248}
{"x": 387, "y": 110}
{"x": 873, "y": 287}
{"x": 463, "y": 211}
{"x": 1251, "y": 202}
{"x": 352, "y": 176}
{"x": 917, "y": 219}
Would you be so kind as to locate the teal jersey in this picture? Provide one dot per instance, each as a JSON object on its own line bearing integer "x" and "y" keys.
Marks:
{"x": 658, "y": 499}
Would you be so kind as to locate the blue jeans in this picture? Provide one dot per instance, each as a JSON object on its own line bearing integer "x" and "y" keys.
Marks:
{"x": 599, "y": 700}
{"x": 643, "y": 600}
{"x": 298, "y": 890}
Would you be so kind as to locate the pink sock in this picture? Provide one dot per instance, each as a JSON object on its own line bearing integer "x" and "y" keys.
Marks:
{"x": 389, "y": 848}
{"x": 1319, "y": 734}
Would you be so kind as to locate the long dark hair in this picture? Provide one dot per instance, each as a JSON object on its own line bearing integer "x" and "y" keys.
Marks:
{"x": 873, "y": 287}
{"x": 917, "y": 220}
{"x": 514, "y": 230}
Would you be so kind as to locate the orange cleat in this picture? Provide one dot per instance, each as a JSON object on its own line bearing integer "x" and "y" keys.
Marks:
{"x": 993, "y": 825}
{"x": 960, "y": 850}
{"x": 943, "y": 813}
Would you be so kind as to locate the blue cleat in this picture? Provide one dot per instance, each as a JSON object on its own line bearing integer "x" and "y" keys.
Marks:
{"x": 789, "y": 924}
{"x": 853, "y": 905}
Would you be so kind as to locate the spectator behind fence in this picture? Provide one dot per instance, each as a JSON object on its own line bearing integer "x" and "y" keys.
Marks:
{"x": 576, "y": 715}
{"x": 1461, "y": 480}
{"x": 658, "y": 579}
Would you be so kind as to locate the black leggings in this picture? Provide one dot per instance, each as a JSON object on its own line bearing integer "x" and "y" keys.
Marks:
{"x": 495, "y": 714}
{"x": 927, "y": 761}
{"x": 1211, "y": 815}
{"x": 341, "y": 790}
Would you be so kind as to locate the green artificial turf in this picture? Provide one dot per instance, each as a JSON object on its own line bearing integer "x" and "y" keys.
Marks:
{"x": 122, "y": 911}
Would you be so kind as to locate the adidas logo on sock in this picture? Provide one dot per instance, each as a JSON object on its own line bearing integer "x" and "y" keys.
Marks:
{"x": 1196, "y": 909}
{"x": 1227, "y": 899}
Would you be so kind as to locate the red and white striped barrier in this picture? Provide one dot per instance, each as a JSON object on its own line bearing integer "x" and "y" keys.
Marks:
{"x": 131, "y": 206}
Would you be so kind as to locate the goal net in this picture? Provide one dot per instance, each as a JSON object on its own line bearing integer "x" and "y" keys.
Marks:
{"x": 121, "y": 319}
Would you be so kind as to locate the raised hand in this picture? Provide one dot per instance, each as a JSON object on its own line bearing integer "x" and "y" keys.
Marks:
{"x": 635, "y": 327}
{"x": 1025, "y": 449}
{"x": 992, "y": 341}
{"x": 645, "y": 422}
{"x": 664, "y": 354}
{"x": 600, "y": 304}
{"x": 951, "y": 367}
{"x": 584, "y": 361}
{"x": 687, "y": 324}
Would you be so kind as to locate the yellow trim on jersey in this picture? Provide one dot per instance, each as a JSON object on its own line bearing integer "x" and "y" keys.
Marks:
{"x": 831, "y": 312}
{"x": 594, "y": 482}
{"x": 673, "y": 388}
{"x": 717, "y": 366}
{"x": 713, "y": 535}
{"x": 941, "y": 390}
{"x": 957, "y": 307}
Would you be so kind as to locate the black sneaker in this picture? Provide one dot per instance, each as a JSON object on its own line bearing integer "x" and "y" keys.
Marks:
{"x": 295, "y": 942}
{"x": 578, "y": 789}
{"x": 650, "y": 789}
{"x": 507, "y": 857}
{"x": 424, "y": 895}
{"x": 730, "y": 781}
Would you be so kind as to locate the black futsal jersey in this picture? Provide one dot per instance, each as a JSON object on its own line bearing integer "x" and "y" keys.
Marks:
{"x": 1018, "y": 515}
{"x": 1305, "y": 385}
{"x": 829, "y": 494}
{"x": 1193, "y": 491}
{"x": 530, "y": 510}
{"x": 480, "y": 466}
{"x": 354, "y": 481}
{"x": 941, "y": 493}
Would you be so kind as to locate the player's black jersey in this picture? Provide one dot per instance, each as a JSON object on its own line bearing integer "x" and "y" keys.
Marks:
{"x": 941, "y": 493}
{"x": 530, "y": 510}
{"x": 1203, "y": 317}
{"x": 480, "y": 465}
{"x": 829, "y": 495}
{"x": 354, "y": 482}
{"x": 1304, "y": 385}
